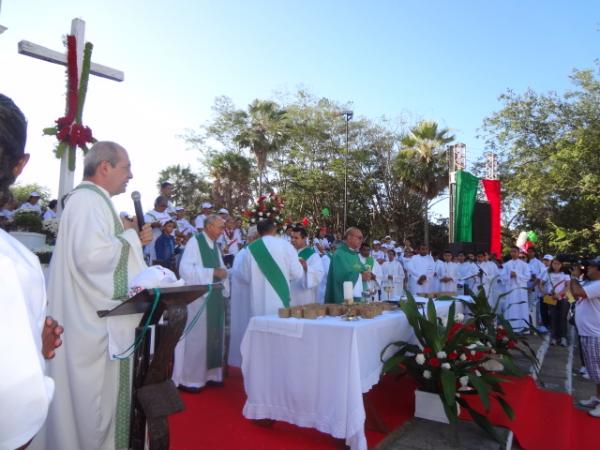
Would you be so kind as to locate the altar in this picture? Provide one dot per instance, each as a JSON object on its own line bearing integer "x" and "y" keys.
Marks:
{"x": 313, "y": 373}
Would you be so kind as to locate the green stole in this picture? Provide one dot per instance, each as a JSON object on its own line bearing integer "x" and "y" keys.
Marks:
{"x": 215, "y": 307}
{"x": 306, "y": 253}
{"x": 345, "y": 266}
{"x": 370, "y": 261}
{"x": 120, "y": 281}
{"x": 271, "y": 271}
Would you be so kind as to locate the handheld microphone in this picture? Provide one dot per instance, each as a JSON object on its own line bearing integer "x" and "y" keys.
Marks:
{"x": 137, "y": 204}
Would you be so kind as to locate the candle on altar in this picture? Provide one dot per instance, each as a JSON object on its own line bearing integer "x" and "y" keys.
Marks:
{"x": 348, "y": 292}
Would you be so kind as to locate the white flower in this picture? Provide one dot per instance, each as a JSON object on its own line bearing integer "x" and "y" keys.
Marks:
{"x": 254, "y": 210}
{"x": 472, "y": 346}
{"x": 478, "y": 373}
{"x": 446, "y": 366}
{"x": 500, "y": 327}
{"x": 493, "y": 351}
{"x": 488, "y": 344}
{"x": 464, "y": 381}
{"x": 444, "y": 320}
{"x": 260, "y": 214}
{"x": 459, "y": 317}
{"x": 441, "y": 355}
{"x": 426, "y": 374}
{"x": 420, "y": 359}
{"x": 463, "y": 357}
{"x": 473, "y": 352}
{"x": 504, "y": 339}
{"x": 252, "y": 220}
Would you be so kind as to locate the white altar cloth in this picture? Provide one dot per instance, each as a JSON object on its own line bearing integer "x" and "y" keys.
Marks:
{"x": 312, "y": 373}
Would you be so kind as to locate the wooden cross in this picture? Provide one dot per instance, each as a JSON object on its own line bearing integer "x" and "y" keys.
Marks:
{"x": 37, "y": 51}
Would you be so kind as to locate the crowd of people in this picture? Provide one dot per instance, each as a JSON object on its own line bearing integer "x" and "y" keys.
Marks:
{"x": 81, "y": 391}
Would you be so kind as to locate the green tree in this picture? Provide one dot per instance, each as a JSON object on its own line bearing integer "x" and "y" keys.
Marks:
{"x": 231, "y": 174}
{"x": 189, "y": 189}
{"x": 263, "y": 132}
{"x": 422, "y": 164}
{"x": 549, "y": 165}
{"x": 20, "y": 192}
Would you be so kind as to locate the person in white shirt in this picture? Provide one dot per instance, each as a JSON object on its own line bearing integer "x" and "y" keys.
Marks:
{"x": 378, "y": 253}
{"x": 421, "y": 268}
{"x": 32, "y": 203}
{"x": 446, "y": 274}
{"x": 467, "y": 273}
{"x": 393, "y": 272}
{"x": 230, "y": 242}
{"x": 555, "y": 283}
{"x": 304, "y": 290}
{"x": 184, "y": 227}
{"x": 166, "y": 190}
{"x": 587, "y": 319}
{"x": 156, "y": 218}
{"x": 320, "y": 242}
{"x": 51, "y": 211}
{"x": 515, "y": 276}
{"x": 27, "y": 336}
{"x": 373, "y": 266}
{"x": 536, "y": 291}
{"x": 200, "y": 218}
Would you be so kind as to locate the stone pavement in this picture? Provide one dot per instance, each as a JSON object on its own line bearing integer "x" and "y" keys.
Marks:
{"x": 559, "y": 372}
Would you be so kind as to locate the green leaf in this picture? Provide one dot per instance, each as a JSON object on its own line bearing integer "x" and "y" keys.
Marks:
{"x": 448, "y": 379}
{"x": 482, "y": 389}
{"x": 431, "y": 312}
{"x": 480, "y": 420}
{"x": 506, "y": 407}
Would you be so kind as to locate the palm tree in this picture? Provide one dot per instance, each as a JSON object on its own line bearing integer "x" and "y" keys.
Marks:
{"x": 231, "y": 173}
{"x": 264, "y": 132}
{"x": 422, "y": 164}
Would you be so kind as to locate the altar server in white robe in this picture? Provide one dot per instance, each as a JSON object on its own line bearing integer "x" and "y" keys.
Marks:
{"x": 421, "y": 268}
{"x": 488, "y": 275}
{"x": 26, "y": 336}
{"x": 271, "y": 261}
{"x": 199, "y": 359}
{"x": 373, "y": 266}
{"x": 96, "y": 255}
{"x": 515, "y": 277}
{"x": 304, "y": 290}
{"x": 156, "y": 218}
{"x": 393, "y": 272}
{"x": 467, "y": 273}
{"x": 446, "y": 273}
{"x": 240, "y": 303}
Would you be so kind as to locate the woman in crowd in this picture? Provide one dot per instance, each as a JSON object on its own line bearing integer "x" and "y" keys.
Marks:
{"x": 555, "y": 285}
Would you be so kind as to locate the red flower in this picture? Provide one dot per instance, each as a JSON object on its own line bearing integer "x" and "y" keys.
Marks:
{"x": 455, "y": 328}
{"x": 452, "y": 356}
{"x": 470, "y": 328}
{"x": 426, "y": 350}
{"x": 434, "y": 362}
{"x": 511, "y": 344}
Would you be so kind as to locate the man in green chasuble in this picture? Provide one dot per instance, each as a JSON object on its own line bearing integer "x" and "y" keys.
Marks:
{"x": 346, "y": 266}
{"x": 199, "y": 355}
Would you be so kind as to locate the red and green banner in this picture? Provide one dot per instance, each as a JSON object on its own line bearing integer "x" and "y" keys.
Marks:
{"x": 492, "y": 191}
{"x": 466, "y": 194}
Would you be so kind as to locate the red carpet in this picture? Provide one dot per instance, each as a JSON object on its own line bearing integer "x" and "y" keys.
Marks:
{"x": 213, "y": 419}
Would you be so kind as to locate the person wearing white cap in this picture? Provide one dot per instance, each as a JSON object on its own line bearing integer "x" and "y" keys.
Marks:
{"x": 155, "y": 219}
{"x": 200, "y": 218}
{"x": 223, "y": 213}
{"x": 183, "y": 225}
{"x": 377, "y": 252}
{"x": 32, "y": 203}
{"x": 230, "y": 242}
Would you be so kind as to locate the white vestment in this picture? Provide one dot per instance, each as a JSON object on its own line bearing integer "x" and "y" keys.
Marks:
{"x": 25, "y": 392}
{"x": 240, "y": 309}
{"x": 199, "y": 221}
{"x": 263, "y": 298}
{"x": 304, "y": 290}
{"x": 190, "y": 367}
{"x": 231, "y": 243}
{"x": 395, "y": 270}
{"x": 445, "y": 269}
{"x": 418, "y": 266}
{"x": 151, "y": 217}
{"x": 514, "y": 305}
{"x": 467, "y": 275}
{"x": 373, "y": 285}
{"x": 325, "y": 261}
{"x": 93, "y": 261}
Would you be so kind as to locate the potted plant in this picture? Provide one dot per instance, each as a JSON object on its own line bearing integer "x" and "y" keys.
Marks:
{"x": 447, "y": 362}
{"x": 26, "y": 227}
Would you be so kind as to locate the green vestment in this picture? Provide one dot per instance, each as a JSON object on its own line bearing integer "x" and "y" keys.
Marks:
{"x": 345, "y": 266}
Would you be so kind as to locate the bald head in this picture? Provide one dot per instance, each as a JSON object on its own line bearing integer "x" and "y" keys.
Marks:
{"x": 107, "y": 165}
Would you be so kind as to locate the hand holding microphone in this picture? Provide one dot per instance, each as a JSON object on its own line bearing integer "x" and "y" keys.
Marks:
{"x": 144, "y": 230}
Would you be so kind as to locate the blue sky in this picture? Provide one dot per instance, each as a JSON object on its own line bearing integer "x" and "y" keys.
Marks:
{"x": 441, "y": 60}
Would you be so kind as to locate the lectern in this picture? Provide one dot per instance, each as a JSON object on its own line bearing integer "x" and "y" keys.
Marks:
{"x": 153, "y": 395}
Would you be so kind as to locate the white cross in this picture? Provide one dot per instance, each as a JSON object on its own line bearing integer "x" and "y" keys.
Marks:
{"x": 2, "y": 29}
{"x": 37, "y": 51}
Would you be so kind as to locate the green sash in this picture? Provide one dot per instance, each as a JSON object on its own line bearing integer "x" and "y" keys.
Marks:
{"x": 370, "y": 261}
{"x": 270, "y": 270}
{"x": 306, "y": 253}
{"x": 215, "y": 307}
{"x": 345, "y": 266}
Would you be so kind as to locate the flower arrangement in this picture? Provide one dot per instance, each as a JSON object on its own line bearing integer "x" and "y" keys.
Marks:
{"x": 50, "y": 229}
{"x": 449, "y": 360}
{"x": 268, "y": 206}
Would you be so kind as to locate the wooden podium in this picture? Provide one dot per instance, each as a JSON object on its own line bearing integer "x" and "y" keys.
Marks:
{"x": 153, "y": 395}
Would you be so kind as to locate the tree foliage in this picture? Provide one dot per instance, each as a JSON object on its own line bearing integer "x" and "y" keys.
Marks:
{"x": 550, "y": 165}
{"x": 20, "y": 192}
{"x": 189, "y": 188}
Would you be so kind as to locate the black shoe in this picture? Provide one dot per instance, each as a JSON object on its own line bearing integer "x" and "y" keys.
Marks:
{"x": 189, "y": 389}
{"x": 215, "y": 384}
